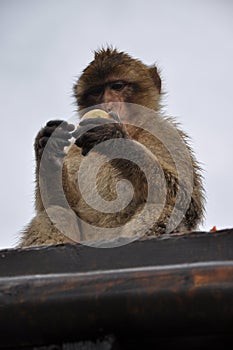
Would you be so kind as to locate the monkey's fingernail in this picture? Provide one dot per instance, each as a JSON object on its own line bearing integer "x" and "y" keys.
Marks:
{"x": 78, "y": 142}
{"x": 85, "y": 151}
{"x": 70, "y": 127}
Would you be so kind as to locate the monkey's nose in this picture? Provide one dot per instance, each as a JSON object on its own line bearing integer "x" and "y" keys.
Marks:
{"x": 109, "y": 107}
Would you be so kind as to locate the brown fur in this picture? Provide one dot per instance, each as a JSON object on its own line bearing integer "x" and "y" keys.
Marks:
{"x": 144, "y": 87}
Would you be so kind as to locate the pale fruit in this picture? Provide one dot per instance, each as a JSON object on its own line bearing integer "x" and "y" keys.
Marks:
{"x": 96, "y": 113}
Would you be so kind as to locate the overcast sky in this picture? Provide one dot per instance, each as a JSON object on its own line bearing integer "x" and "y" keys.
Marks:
{"x": 46, "y": 44}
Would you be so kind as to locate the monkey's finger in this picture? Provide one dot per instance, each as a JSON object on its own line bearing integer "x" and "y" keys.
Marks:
{"x": 47, "y": 131}
{"x": 85, "y": 150}
{"x": 88, "y": 133}
{"x": 90, "y": 139}
{"x": 80, "y": 140}
{"x": 55, "y": 122}
{"x": 70, "y": 127}
{"x": 59, "y": 132}
{"x": 87, "y": 147}
{"x": 89, "y": 144}
{"x": 62, "y": 134}
{"x": 60, "y": 123}
{"x": 83, "y": 129}
{"x": 87, "y": 137}
{"x": 53, "y": 141}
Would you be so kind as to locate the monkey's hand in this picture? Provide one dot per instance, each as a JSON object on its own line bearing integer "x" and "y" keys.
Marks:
{"x": 54, "y": 137}
{"x": 92, "y": 131}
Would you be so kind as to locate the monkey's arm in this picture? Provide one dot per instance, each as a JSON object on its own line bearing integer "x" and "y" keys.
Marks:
{"x": 132, "y": 159}
{"x": 55, "y": 222}
{"x": 155, "y": 180}
{"x": 49, "y": 152}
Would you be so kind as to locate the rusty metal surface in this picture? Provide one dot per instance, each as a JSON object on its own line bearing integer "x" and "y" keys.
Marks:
{"x": 127, "y": 300}
{"x": 181, "y": 299}
{"x": 194, "y": 247}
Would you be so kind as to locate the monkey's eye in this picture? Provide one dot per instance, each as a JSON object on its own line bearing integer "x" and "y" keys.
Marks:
{"x": 96, "y": 91}
{"x": 118, "y": 85}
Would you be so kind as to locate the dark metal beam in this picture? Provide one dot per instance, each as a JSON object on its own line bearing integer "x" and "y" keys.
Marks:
{"x": 175, "y": 249}
{"x": 126, "y": 295}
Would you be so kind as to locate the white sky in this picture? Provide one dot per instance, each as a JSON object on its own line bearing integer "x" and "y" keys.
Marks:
{"x": 46, "y": 44}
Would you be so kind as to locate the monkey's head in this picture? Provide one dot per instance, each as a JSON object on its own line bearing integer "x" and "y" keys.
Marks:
{"x": 116, "y": 77}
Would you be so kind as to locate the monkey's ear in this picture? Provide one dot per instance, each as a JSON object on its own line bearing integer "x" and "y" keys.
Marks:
{"x": 156, "y": 78}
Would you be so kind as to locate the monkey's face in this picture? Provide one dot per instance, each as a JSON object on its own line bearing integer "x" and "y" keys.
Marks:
{"x": 108, "y": 92}
{"x": 115, "y": 77}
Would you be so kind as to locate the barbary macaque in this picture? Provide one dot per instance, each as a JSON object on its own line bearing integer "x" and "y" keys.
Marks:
{"x": 146, "y": 181}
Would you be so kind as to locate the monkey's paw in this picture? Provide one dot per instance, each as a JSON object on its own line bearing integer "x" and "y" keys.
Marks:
{"x": 93, "y": 131}
{"x": 54, "y": 136}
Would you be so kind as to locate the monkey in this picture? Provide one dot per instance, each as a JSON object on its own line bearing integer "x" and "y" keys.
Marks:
{"x": 157, "y": 168}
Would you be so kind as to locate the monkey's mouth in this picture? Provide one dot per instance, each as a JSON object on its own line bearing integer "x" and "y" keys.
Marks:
{"x": 118, "y": 109}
